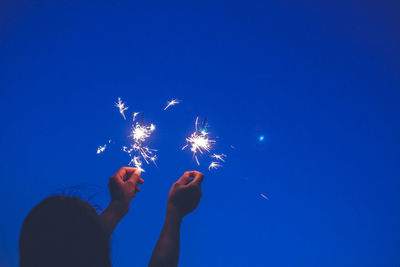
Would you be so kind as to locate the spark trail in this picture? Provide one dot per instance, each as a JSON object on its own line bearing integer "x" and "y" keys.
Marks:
{"x": 121, "y": 106}
{"x": 214, "y": 165}
{"x": 171, "y": 103}
{"x": 219, "y": 157}
{"x": 134, "y": 116}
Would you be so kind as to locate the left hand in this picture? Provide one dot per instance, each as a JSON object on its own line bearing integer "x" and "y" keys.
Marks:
{"x": 185, "y": 194}
{"x": 123, "y": 186}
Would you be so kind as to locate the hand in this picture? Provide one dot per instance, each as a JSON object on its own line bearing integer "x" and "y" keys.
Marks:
{"x": 185, "y": 194}
{"x": 123, "y": 187}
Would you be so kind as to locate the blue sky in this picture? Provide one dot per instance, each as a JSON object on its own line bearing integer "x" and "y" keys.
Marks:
{"x": 320, "y": 81}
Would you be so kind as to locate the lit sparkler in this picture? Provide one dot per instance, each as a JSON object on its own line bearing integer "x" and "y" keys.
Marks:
{"x": 121, "y": 106}
{"x": 171, "y": 103}
{"x": 139, "y": 135}
{"x": 199, "y": 141}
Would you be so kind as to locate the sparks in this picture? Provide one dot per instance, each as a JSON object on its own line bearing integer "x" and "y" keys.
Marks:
{"x": 171, "y": 103}
{"x": 264, "y": 196}
{"x": 121, "y": 106}
{"x": 134, "y": 116}
{"x": 139, "y": 135}
{"x": 101, "y": 149}
{"x": 219, "y": 157}
{"x": 135, "y": 161}
{"x": 214, "y": 165}
{"x": 199, "y": 142}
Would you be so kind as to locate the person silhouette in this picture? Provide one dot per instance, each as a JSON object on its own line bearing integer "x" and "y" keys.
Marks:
{"x": 67, "y": 231}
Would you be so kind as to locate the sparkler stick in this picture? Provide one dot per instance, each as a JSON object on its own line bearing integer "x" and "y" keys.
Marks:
{"x": 121, "y": 106}
{"x": 171, "y": 103}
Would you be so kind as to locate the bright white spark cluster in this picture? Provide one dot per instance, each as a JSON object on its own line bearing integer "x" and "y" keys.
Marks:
{"x": 121, "y": 106}
{"x": 199, "y": 142}
{"x": 101, "y": 149}
{"x": 171, "y": 103}
{"x": 139, "y": 134}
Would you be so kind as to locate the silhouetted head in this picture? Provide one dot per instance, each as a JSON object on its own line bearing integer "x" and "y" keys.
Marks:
{"x": 63, "y": 231}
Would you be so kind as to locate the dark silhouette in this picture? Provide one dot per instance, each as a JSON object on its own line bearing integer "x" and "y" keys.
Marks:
{"x": 67, "y": 231}
{"x": 63, "y": 231}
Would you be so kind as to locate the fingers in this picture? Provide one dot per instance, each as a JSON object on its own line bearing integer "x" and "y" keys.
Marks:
{"x": 127, "y": 173}
{"x": 185, "y": 179}
{"x": 133, "y": 174}
{"x": 197, "y": 178}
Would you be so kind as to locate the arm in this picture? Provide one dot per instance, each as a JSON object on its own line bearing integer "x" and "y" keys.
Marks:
{"x": 123, "y": 187}
{"x": 183, "y": 198}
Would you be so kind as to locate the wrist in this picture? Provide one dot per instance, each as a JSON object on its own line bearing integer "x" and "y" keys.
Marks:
{"x": 173, "y": 214}
{"x": 118, "y": 208}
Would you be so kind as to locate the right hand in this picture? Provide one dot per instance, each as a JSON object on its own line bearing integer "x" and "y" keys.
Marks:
{"x": 123, "y": 186}
{"x": 185, "y": 194}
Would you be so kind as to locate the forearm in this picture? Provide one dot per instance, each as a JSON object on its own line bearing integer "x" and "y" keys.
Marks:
{"x": 112, "y": 215}
{"x": 166, "y": 251}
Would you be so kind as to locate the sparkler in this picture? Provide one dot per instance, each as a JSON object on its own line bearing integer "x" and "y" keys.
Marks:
{"x": 121, "y": 106}
{"x": 139, "y": 134}
{"x": 199, "y": 141}
{"x": 171, "y": 103}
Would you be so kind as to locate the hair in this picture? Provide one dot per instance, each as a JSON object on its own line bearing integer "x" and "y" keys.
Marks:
{"x": 63, "y": 231}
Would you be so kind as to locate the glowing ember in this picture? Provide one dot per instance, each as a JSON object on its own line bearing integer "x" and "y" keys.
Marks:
{"x": 121, "y": 106}
{"x": 171, "y": 103}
